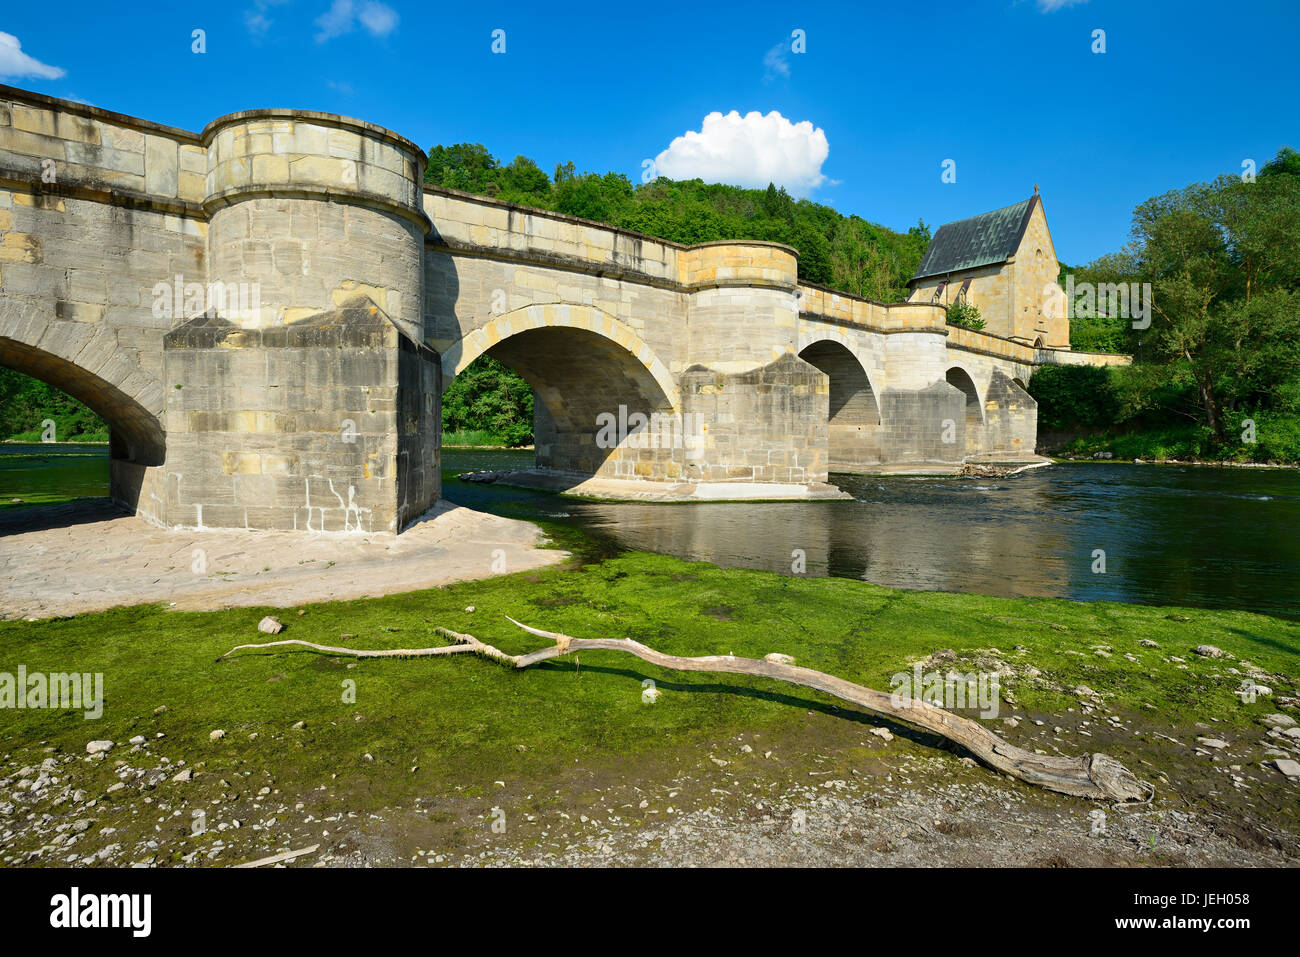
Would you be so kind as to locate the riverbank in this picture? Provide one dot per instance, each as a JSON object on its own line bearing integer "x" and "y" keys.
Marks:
{"x": 89, "y": 556}
{"x": 392, "y": 761}
{"x": 1107, "y": 458}
{"x": 1271, "y": 439}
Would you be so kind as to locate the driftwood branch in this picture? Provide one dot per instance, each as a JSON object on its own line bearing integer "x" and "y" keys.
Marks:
{"x": 1095, "y": 776}
{"x": 281, "y": 857}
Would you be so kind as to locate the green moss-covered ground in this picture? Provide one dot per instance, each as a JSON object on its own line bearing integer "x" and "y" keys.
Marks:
{"x": 459, "y": 718}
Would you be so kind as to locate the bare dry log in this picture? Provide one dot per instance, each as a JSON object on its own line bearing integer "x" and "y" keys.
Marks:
{"x": 1095, "y": 776}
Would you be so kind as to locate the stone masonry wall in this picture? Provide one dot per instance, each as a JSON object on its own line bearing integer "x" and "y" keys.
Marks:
{"x": 312, "y": 426}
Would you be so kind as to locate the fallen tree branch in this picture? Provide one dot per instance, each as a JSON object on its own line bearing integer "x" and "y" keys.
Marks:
{"x": 1095, "y": 776}
{"x": 280, "y": 858}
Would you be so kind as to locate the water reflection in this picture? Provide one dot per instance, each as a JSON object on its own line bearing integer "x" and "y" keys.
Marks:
{"x": 1171, "y": 535}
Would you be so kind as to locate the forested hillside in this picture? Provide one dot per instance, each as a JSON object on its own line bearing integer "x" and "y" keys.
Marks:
{"x": 26, "y": 402}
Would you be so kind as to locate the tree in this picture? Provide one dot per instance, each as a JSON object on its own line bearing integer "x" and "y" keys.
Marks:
{"x": 492, "y": 397}
{"x": 966, "y": 315}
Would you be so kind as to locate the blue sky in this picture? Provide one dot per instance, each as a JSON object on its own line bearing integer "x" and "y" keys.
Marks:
{"x": 1008, "y": 89}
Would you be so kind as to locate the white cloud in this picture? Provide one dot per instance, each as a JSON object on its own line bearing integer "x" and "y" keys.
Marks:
{"x": 378, "y": 19}
{"x": 1051, "y": 6}
{"x": 256, "y": 20}
{"x": 14, "y": 62}
{"x": 775, "y": 64}
{"x": 752, "y": 150}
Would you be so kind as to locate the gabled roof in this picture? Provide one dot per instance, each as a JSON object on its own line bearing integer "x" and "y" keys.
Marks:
{"x": 978, "y": 241}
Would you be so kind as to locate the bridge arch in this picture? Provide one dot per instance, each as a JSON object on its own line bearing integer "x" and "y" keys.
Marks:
{"x": 959, "y": 376}
{"x": 854, "y": 414}
{"x": 86, "y": 361}
{"x": 586, "y": 369}
{"x": 557, "y": 315}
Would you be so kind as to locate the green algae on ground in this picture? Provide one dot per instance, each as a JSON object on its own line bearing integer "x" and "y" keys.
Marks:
{"x": 426, "y": 724}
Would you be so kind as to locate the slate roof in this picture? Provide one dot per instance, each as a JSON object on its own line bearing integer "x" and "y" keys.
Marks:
{"x": 978, "y": 241}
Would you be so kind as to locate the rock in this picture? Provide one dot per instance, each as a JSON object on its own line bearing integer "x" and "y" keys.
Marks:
{"x": 469, "y": 608}
{"x": 779, "y": 659}
{"x": 882, "y": 733}
{"x": 161, "y": 709}
{"x": 1216, "y": 743}
{"x": 114, "y": 788}
{"x": 186, "y": 775}
{"x": 1282, "y": 721}
{"x": 138, "y": 739}
{"x": 1083, "y": 691}
{"x": 1209, "y": 651}
{"x": 83, "y": 825}
{"x": 216, "y": 735}
{"x": 99, "y": 747}
{"x": 1288, "y": 767}
{"x": 270, "y": 626}
{"x": 298, "y": 725}
{"x": 1148, "y": 643}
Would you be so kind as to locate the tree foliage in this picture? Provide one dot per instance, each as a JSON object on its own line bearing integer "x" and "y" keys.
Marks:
{"x": 26, "y": 402}
{"x": 489, "y": 396}
{"x": 1222, "y": 260}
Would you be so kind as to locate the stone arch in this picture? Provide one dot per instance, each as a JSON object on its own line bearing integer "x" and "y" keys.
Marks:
{"x": 960, "y": 377}
{"x": 586, "y": 369}
{"x": 85, "y": 361}
{"x": 854, "y": 415}
{"x": 557, "y": 315}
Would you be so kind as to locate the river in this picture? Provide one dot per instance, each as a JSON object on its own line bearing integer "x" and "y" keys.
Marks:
{"x": 1171, "y": 535}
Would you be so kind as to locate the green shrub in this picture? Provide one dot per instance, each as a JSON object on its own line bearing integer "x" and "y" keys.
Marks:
{"x": 965, "y": 314}
{"x": 1074, "y": 396}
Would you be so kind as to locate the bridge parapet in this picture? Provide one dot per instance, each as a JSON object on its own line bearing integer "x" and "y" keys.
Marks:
{"x": 305, "y": 153}
{"x": 93, "y": 153}
{"x": 830, "y": 305}
{"x": 708, "y": 265}
{"x": 481, "y": 225}
{"x": 1052, "y": 357}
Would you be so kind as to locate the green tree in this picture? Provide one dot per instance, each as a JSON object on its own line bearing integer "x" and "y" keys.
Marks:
{"x": 490, "y": 396}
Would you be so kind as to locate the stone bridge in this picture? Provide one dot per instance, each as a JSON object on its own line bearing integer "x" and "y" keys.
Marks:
{"x": 267, "y": 312}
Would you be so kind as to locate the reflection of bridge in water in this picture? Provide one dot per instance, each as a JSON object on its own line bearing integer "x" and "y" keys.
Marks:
{"x": 317, "y": 407}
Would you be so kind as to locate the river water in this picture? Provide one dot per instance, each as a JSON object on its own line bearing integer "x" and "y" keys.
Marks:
{"x": 1171, "y": 535}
